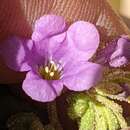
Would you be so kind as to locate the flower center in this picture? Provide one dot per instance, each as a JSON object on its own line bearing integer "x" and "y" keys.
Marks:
{"x": 51, "y": 71}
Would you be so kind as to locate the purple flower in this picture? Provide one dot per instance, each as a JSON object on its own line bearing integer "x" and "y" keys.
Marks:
{"x": 55, "y": 56}
{"x": 117, "y": 53}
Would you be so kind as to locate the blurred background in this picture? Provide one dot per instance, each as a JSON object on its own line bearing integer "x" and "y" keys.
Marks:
{"x": 123, "y": 7}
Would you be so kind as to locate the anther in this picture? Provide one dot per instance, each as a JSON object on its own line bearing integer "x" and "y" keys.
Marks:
{"x": 46, "y": 69}
{"x": 51, "y": 74}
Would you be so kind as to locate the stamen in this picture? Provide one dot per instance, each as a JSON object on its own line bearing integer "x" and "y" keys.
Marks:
{"x": 46, "y": 69}
{"x": 51, "y": 71}
{"x": 55, "y": 68}
{"x": 51, "y": 74}
{"x": 51, "y": 65}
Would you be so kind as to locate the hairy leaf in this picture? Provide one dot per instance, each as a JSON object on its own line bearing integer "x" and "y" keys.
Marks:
{"x": 101, "y": 113}
{"x": 100, "y": 121}
{"x": 109, "y": 104}
{"x": 78, "y": 104}
{"x": 111, "y": 119}
{"x": 114, "y": 91}
{"x": 108, "y": 88}
{"x": 121, "y": 120}
{"x": 88, "y": 120}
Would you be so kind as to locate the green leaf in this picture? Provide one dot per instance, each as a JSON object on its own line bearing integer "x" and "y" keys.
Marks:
{"x": 121, "y": 120}
{"x": 88, "y": 119}
{"x": 114, "y": 108}
{"x": 120, "y": 97}
{"x": 99, "y": 112}
{"x": 100, "y": 120}
{"x": 114, "y": 91}
{"x": 108, "y": 88}
{"x": 78, "y": 104}
{"x": 109, "y": 103}
{"x": 111, "y": 119}
{"x": 118, "y": 76}
{"x": 116, "y": 85}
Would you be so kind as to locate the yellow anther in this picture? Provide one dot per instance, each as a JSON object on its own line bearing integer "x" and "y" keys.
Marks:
{"x": 46, "y": 69}
{"x": 51, "y": 74}
{"x": 55, "y": 68}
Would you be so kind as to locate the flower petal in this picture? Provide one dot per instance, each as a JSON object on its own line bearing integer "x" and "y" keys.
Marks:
{"x": 121, "y": 55}
{"x": 15, "y": 51}
{"x": 116, "y": 53}
{"x": 83, "y": 76}
{"x": 49, "y": 46}
{"x": 58, "y": 86}
{"x": 124, "y": 45}
{"x": 121, "y": 46}
{"x": 118, "y": 61}
{"x": 37, "y": 88}
{"x": 47, "y": 26}
{"x": 84, "y": 37}
{"x": 104, "y": 55}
